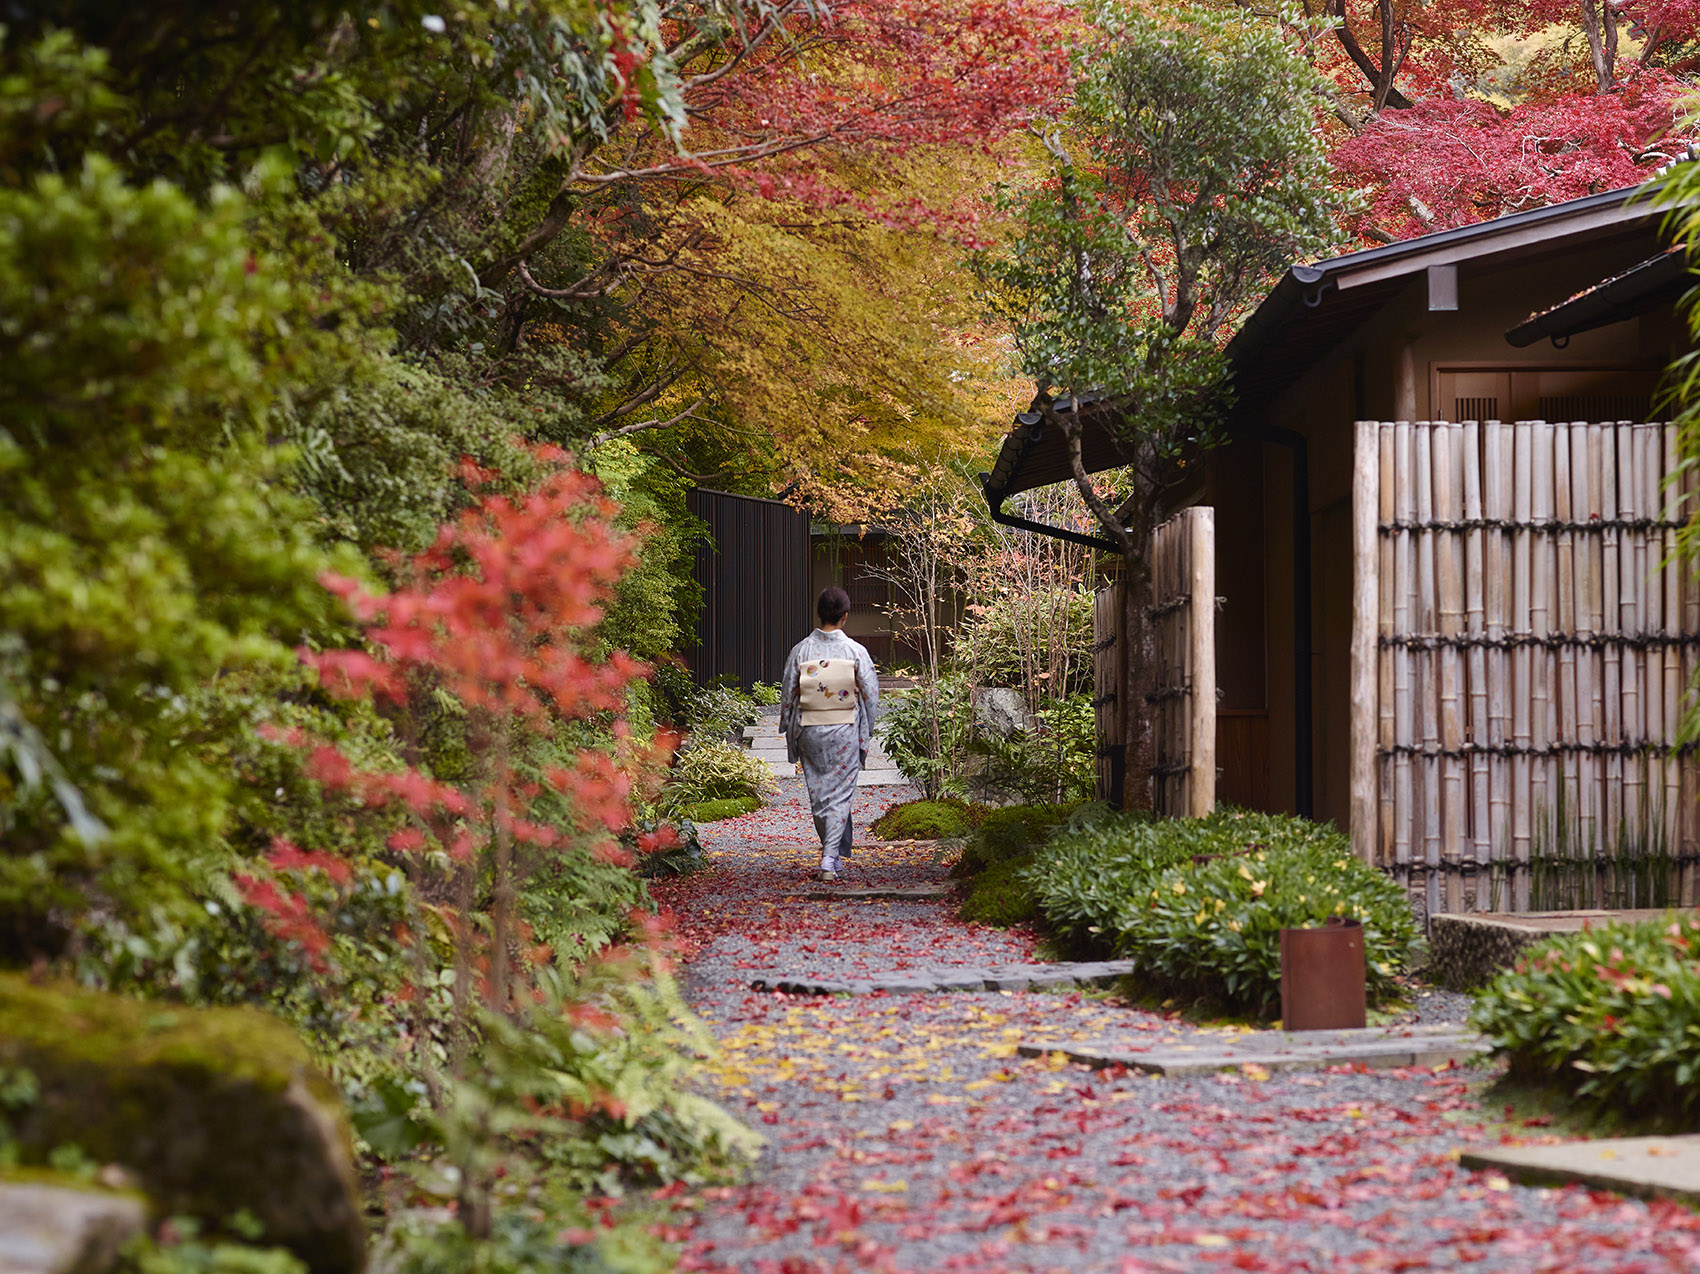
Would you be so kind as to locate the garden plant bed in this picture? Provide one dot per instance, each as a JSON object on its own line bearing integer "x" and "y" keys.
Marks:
{"x": 1467, "y": 950}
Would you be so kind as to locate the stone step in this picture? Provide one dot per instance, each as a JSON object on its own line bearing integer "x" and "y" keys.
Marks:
{"x": 903, "y": 893}
{"x": 1648, "y": 1167}
{"x": 1375, "y": 1047}
{"x": 1015, "y": 977}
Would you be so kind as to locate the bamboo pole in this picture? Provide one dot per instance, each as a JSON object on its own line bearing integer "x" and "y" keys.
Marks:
{"x": 1649, "y": 441}
{"x": 1475, "y": 662}
{"x": 1541, "y": 580}
{"x": 1631, "y": 668}
{"x": 1620, "y": 809}
{"x": 1665, "y": 448}
{"x": 1449, "y": 584}
{"x": 1387, "y": 655}
{"x": 1428, "y": 687}
{"x": 1405, "y": 791}
{"x": 1584, "y": 504}
{"x": 1366, "y": 624}
{"x": 1522, "y": 658}
{"x": 1686, "y": 817}
{"x": 1202, "y": 546}
{"x": 1495, "y": 840}
{"x": 1564, "y": 510}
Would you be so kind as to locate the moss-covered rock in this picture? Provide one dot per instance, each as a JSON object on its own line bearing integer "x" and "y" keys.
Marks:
{"x": 215, "y": 1111}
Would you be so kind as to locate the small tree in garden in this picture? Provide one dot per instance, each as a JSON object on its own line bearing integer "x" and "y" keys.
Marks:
{"x": 1189, "y": 172}
{"x": 493, "y": 620}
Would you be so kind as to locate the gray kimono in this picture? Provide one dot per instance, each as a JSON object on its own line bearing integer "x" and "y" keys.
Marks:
{"x": 832, "y": 755}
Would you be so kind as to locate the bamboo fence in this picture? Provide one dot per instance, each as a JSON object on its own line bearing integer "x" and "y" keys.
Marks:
{"x": 1109, "y": 682}
{"x": 1523, "y": 636}
{"x": 1183, "y": 613}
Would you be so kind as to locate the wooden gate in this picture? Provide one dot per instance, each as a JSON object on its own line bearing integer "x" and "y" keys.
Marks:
{"x": 1523, "y": 638}
{"x": 1183, "y": 613}
{"x": 1109, "y": 688}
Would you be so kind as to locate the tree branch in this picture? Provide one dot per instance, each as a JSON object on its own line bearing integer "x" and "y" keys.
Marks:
{"x": 608, "y": 435}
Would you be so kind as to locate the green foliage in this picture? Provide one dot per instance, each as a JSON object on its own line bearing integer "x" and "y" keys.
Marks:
{"x": 942, "y": 819}
{"x": 765, "y": 693}
{"x": 522, "y": 1241}
{"x": 1609, "y": 1014}
{"x": 1002, "y": 895}
{"x": 927, "y": 732}
{"x": 1056, "y": 760}
{"x": 715, "y": 771}
{"x": 1014, "y": 831}
{"x": 714, "y": 811}
{"x": 1001, "y": 640}
{"x": 137, "y": 488}
{"x": 1199, "y": 903}
{"x": 1190, "y": 171}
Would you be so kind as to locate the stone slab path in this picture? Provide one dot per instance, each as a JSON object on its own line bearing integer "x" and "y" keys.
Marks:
{"x": 1372, "y": 1047}
{"x": 1647, "y": 1167}
{"x": 1008, "y": 977}
{"x": 908, "y": 1133}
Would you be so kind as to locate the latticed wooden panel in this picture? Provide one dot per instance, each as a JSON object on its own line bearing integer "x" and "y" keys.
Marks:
{"x": 1523, "y": 643}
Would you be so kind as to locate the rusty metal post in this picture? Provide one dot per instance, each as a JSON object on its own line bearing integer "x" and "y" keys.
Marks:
{"x": 1323, "y": 977}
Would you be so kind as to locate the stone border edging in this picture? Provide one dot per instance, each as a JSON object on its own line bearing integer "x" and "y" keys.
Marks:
{"x": 1378, "y": 1048}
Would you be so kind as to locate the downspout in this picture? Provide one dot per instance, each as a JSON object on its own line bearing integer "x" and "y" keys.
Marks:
{"x": 1304, "y": 797}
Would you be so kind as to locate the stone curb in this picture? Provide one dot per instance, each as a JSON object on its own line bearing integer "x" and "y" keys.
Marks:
{"x": 913, "y": 893}
{"x": 1015, "y": 977}
{"x": 1647, "y": 1167}
{"x": 1374, "y": 1047}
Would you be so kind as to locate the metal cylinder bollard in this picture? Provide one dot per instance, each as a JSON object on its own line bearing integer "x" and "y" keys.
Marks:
{"x": 1322, "y": 977}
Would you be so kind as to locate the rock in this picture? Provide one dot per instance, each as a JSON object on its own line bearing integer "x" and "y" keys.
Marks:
{"x": 1002, "y": 711}
{"x": 64, "y": 1229}
{"x": 1467, "y": 950}
{"x": 213, "y": 1110}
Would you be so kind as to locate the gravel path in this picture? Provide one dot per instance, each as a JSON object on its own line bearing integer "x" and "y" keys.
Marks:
{"x": 905, "y": 1135}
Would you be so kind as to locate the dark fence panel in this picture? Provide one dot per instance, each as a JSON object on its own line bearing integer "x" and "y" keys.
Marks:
{"x": 756, "y": 578}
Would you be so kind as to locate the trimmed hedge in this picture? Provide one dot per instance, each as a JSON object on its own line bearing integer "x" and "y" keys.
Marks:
{"x": 1613, "y": 1014}
{"x": 1199, "y": 903}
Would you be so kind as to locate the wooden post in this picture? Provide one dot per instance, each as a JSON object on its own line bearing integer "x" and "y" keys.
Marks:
{"x": 1427, "y": 623}
{"x": 1203, "y": 658}
{"x": 1366, "y": 623}
{"x": 1497, "y": 559}
{"x": 1449, "y": 587}
{"x": 1541, "y": 572}
{"x": 1620, "y": 770}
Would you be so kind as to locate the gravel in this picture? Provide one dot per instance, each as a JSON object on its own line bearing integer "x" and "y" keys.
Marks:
{"x": 904, "y": 1135}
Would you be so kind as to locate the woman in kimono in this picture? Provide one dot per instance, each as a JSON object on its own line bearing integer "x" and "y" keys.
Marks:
{"x": 828, "y": 697}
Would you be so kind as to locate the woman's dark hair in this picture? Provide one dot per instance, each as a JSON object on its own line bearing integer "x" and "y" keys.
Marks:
{"x": 832, "y": 605}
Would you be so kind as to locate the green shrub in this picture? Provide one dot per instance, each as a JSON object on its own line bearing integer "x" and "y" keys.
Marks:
{"x": 1199, "y": 903}
{"x": 1055, "y": 761}
{"x": 714, "y": 771}
{"x": 1010, "y": 832}
{"x": 924, "y": 820}
{"x": 1609, "y": 1013}
{"x": 765, "y": 693}
{"x": 714, "y": 811}
{"x": 1002, "y": 895}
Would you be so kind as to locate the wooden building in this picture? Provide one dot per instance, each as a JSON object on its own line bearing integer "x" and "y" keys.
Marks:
{"x": 1458, "y": 638}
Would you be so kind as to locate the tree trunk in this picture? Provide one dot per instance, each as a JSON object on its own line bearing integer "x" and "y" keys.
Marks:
{"x": 1139, "y": 740}
{"x": 1602, "y": 45}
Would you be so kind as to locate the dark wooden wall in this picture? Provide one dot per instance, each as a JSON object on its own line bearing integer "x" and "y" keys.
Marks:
{"x": 757, "y": 595}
